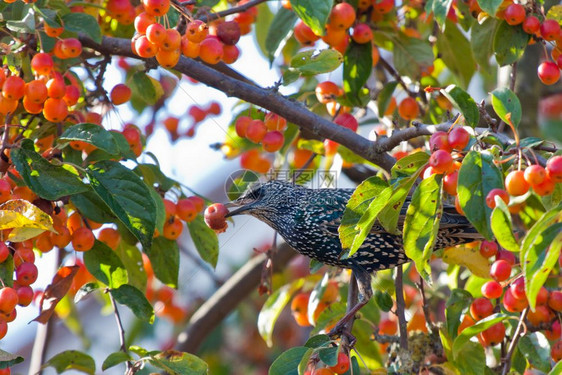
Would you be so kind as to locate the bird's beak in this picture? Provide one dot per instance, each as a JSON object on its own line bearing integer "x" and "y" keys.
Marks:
{"x": 237, "y": 211}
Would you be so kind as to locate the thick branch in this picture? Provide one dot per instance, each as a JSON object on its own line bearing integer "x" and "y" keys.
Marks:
{"x": 227, "y": 297}
{"x": 229, "y": 11}
{"x": 268, "y": 99}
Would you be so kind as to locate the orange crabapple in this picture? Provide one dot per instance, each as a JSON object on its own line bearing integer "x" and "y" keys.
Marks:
{"x": 441, "y": 161}
{"x": 13, "y": 88}
{"x": 186, "y": 210}
{"x": 272, "y": 141}
{"x": 535, "y": 174}
{"x": 83, "y": 239}
{"x": 256, "y": 130}
{"x": 304, "y": 34}
{"x": 42, "y": 63}
{"x": 514, "y": 14}
{"x": 110, "y": 236}
{"x": 71, "y": 47}
{"x": 531, "y": 25}
{"x": 550, "y": 29}
{"x": 408, "y": 108}
{"x": 211, "y": 50}
{"x": 172, "y": 228}
{"x": 342, "y": 16}
{"x": 362, "y": 33}
{"x": 120, "y": 94}
{"x": 197, "y": 31}
{"x": 491, "y": 197}
{"x": 515, "y": 183}
{"x": 36, "y": 91}
{"x": 273, "y": 121}
{"x": 327, "y": 91}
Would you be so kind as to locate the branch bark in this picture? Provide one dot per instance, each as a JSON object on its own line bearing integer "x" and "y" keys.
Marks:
{"x": 227, "y": 297}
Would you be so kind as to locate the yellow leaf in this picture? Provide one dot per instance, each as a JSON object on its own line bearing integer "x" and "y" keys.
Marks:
{"x": 26, "y": 220}
{"x": 469, "y": 257}
{"x": 379, "y": 371}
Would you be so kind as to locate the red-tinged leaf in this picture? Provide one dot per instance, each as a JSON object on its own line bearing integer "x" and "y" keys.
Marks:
{"x": 55, "y": 292}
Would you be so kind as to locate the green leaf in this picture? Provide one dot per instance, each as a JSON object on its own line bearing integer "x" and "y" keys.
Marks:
{"x": 357, "y": 67}
{"x": 114, "y": 359}
{"x": 85, "y": 290}
{"x": 272, "y": 309}
{"x": 502, "y": 227}
{"x": 25, "y": 25}
{"x": 471, "y": 331}
{"x": 318, "y": 341}
{"x": 505, "y": 101}
{"x": 509, "y": 43}
{"x": 143, "y": 88}
{"x": 473, "y": 359}
{"x": 7, "y": 271}
{"x": 456, "y": 53}
{"x": 134, "y": 299}
{"x": 357, "y": 206}
{"x": 314, "y": 13}
{"x": 287, "y": 363}
{"x": 390, "y": 214}
{"x": 164, "y": 256}
{"x": 329, "y": 355}
{"x": 127, "y": 196}
{"x": 409, "y": 165}
{"x": 160, "y": 210}
{"x": 490, "y": 6}
{"x": 384, "y": 97}
{"x": 105, "y": 265}
{"x": 312, "y": 62}
{"x": 92, "y": 134}
{"x": 482, "y": 42}
{"x": 536, "y": 261}
{"x": 557, "y": 369}
{"x": 383, "y": 300}
{"x": 92, "y": 207}
{"x": 180, "y": 363}
{"x": 279, "y": 29}
{"x": 422, "y": 223}
{"x": 440, "y": 9}
{"x": 411, "y": 55}
{"x": 477, "y": 176}
{"x": 9, "y": 359}
{"x": 262, "y": 25}
{"x": 131, "y": 257}
{"x": 462, "y": 101}
{"x": 47, "y": 180}
{"x": 535, "y": 348}
{"x": 82, "y": 23}
{"x": 72, "y": 360}
{"x": 456, "y": 304}
{"x": 152, "y": 175}
{"x": 205, "y": 240}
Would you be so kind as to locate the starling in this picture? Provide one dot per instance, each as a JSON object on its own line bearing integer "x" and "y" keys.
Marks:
{"x": 308, "y": 220}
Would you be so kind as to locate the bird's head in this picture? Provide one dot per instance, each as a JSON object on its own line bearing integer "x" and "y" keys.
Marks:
{"x": 267, "y": 199}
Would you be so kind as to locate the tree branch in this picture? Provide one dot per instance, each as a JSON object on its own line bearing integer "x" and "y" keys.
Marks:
{"x": 233, "y": 10}
{"x": 400, "y": 308}
{"x": 119, "y": 327}
{"x": 293, "y": 111}
{"x": 227, "y": 297}
{"x": 513, "y": 343}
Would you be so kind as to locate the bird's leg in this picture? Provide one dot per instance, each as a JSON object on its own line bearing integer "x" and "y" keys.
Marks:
{"x": 363, "y": 280}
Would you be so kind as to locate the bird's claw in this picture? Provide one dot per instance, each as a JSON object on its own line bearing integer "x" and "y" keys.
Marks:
{"x": 343, "y": 331}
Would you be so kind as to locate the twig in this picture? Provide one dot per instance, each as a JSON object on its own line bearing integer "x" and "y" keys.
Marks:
{"x": 119, "y": 327}
{"x": 424, "y": 305}
{"x": 390, "y": 69}
{"x": 42, "y": 336}
{"x": 352, "y": 299}
{"x": 400, "y": 308}
{"x": 233, "y": 10}
{"x": 227, "y": 297}
{"x": 202, "y": 265}
{"x": 513, "y": 344}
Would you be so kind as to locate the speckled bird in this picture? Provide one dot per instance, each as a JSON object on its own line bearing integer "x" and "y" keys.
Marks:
{"x": 308, "y": 220}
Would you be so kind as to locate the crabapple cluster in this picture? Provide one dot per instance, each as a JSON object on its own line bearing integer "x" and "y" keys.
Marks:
{"x": 540, "y": 29}
{"x": 185, "y": 209}
{"x": 212, "y": 43}
{"x": 48, "y": 94}
{"x": 267, "y": 132}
